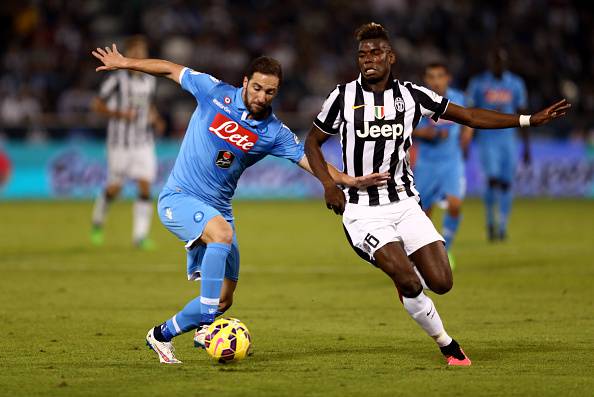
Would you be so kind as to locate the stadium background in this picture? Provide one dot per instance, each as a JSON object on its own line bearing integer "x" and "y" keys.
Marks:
{"x": 73, "y": 316}
{"x": 51, "y": 144}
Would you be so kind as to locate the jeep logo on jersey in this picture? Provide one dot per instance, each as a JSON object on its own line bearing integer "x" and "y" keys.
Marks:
{"x": 225, "y": 159}
{"x": 378, "y": 130}
{"x": 232, "y": 132}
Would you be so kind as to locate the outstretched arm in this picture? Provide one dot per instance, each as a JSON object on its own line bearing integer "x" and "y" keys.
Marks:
{"x": 488, "y": 119}
{"x": 113, "y": 60}
{"x": 340, "y": 178}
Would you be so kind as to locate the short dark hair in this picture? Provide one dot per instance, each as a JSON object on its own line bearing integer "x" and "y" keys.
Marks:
{"x": 265, "y": 65}
{"x": 371, "y": 31}
{"x": 436, "y": 64}
{"x": 137, "y": 39}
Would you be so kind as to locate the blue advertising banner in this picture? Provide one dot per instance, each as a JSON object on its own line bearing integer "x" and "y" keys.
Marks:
{"x": 78, "y": 170}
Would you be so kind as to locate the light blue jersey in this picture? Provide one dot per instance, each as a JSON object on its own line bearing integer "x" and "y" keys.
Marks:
{"x": 506, "y": 94}
{"x": 446, "y": 149}
{"x": 497, "y": 148}
{"x": 221, "y": 142}
{"x": 439, "y": 168}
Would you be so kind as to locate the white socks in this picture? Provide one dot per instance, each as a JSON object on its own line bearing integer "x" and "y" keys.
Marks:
{"x": 100, "y": 209}
{"x": 422, "y": 310}
{"x": 142, "y": 213}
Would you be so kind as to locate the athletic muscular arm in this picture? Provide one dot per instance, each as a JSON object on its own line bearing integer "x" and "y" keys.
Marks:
{"x": 340, "y": 178}
{"x": 489, "y": 119}
{"x": 113, "y": 60}
{"x": 334, "y": 197}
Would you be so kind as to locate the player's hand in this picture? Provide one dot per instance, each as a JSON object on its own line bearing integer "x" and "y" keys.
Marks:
{"x": 375, "y": 179}
{"x": 554, "y": 111}
{"x": 111, "y": 58}
{"x": 129, "y": 115}
{"x": 335, "y": 199}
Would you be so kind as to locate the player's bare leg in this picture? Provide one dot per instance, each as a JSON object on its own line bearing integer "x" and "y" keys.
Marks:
{"x": 225, "y": 303}
{"x": 100, "y": 208}
{"x": 392, "y": 259}
{"x": 142, "y": 215}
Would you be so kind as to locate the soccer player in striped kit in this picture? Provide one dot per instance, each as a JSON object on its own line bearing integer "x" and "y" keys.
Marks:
{"x": 374, "y": 116}
{"x": 439, "y": 167}
{"x": 126, "y": 98}
{"x": 231, "y": 129}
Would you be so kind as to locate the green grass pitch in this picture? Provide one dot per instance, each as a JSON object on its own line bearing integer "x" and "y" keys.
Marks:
{"x": 324, "y": 323}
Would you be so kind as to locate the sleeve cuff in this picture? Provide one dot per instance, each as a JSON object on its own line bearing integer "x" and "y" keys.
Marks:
{"x": 323, "y": 128}
{"x": 441, "y": 110}
{"x": 181, "y": 75}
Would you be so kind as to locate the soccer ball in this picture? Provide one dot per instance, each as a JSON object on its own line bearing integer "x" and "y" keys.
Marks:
{"x": 227, "y": 339}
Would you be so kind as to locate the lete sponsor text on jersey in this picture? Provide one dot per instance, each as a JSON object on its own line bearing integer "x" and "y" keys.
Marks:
{"x": 232, "y": 132}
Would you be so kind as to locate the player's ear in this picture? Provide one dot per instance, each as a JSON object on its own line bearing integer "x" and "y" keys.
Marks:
{"x": 392, "y": 57}
{"x": 245, "y": 82}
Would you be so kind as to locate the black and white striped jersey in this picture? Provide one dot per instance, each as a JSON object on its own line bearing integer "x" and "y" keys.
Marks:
{"x": 124, "y": 91}
{"x": 376, "y": 132}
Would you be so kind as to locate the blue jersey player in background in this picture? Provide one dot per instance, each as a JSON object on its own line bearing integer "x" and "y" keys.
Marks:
{"x": 439, "y": 168}
{"x": 500, "y": 90}
{"x": 230, "y": 130}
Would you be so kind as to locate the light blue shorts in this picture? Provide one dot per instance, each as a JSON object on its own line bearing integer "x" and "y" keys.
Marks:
{"x": 436, "y": 180}
{"x": 186, "y": 216}
{"x": 498, "y": 157}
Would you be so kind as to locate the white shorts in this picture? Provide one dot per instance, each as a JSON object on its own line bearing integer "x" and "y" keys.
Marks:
{"x": 371, "y": 227}
{"x": 135, "y": 163}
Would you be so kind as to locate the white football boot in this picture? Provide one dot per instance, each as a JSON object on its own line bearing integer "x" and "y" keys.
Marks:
{"x": 164, "y": 350}
{"x": 199, "y": 336}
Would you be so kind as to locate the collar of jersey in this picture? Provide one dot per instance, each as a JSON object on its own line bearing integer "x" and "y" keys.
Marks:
{"x": 492, "y": 76}
{"x": 365, "y": 87}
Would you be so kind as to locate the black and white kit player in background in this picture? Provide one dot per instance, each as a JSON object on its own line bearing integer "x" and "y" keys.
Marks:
{"x": 126, "y": 99}
{"x": 374, "y": 116}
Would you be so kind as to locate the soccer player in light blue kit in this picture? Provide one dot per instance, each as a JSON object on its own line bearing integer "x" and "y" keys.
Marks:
{"x": 230, "y": 130}
{"x": 500, "y": 90}
{"x": 439, "y": 168}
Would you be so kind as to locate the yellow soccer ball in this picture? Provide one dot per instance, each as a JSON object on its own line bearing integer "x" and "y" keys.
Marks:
{"x": 227, "y": 339}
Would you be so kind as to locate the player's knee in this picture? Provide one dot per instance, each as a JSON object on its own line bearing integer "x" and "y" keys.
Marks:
{"x": 454, "y": 207}
{"x": 111, "y": 194}
{"x": 222, "y": 232}
{"x": 411, "y": 287}
{"x": 493, "y": 183}
{"x": 505, "y": 186}
{"x": 441, "y": 284}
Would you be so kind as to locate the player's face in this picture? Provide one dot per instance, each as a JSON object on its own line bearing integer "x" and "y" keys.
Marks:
{"x": 375, "y": 59}
{"x": 497, "y": 62}
{"x": 138, "y": 50}
{"x": 438, "y": 79}
{"x": 258, "y": 93}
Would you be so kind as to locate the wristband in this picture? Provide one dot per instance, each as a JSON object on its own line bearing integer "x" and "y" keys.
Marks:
{"x": 524, "y": 120}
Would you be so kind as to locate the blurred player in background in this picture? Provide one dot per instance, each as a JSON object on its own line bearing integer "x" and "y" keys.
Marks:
{"x": 375, "y": 116}
{"x": 230, "y": 130}
{"x": 439, "y": 168}
{"x": 126, "y": 98}
{"x": 500, "y": 90}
